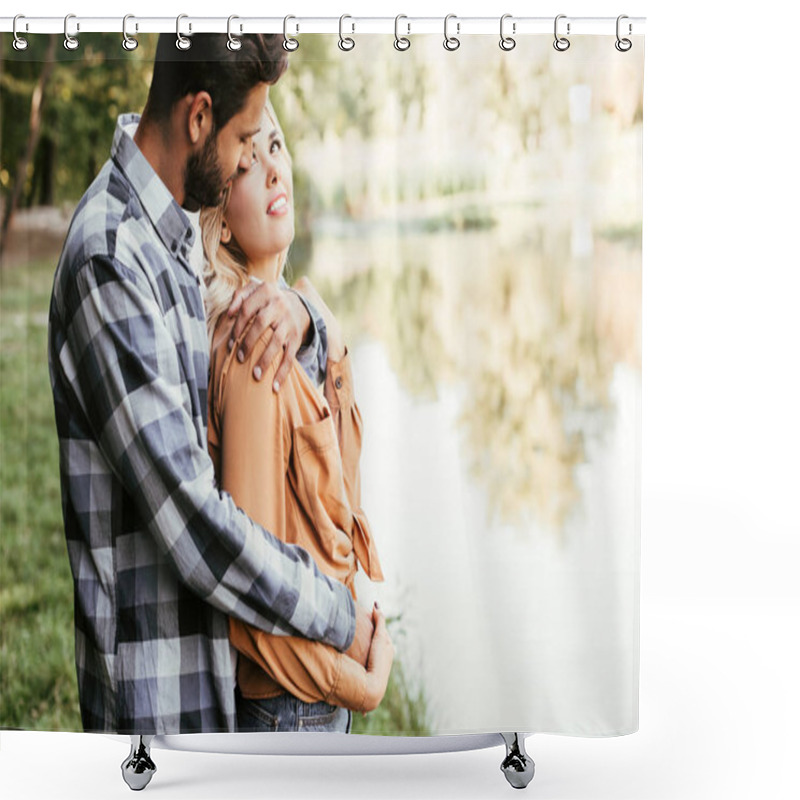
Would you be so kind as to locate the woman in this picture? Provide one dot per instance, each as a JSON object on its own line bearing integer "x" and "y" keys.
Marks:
{"x": 288, "y": 458}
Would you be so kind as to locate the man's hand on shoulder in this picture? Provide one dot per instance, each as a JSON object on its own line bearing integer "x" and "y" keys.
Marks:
{"x": 269, "y": 306}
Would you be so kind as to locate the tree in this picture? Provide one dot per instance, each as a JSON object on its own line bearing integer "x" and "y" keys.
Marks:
{"x": 58, "y": 110}
{"x": 34, "y": 130}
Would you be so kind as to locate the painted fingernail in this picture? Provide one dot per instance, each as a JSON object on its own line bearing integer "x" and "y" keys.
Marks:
{"x": 257, "y": 373}
{"x": 377, "y": 606}
{"x": 276, "y": 387}
{"x": 240, "y": 355}
{"x": 230, "y": 344}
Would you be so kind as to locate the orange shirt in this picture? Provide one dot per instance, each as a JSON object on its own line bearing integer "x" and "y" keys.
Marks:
{"x": 290, "y": 461}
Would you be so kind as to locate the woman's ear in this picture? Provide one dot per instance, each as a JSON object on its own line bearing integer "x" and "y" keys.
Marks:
{"x": 225, "y": 233}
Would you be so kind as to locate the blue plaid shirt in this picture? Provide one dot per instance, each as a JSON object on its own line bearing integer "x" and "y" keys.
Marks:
{"x": 159, "y": 556}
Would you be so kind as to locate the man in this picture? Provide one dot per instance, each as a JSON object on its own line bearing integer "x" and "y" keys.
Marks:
{"x": 159, "y": 556}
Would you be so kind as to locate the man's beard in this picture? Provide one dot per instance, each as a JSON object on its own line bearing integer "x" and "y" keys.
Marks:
{"x": 203, "y": 181}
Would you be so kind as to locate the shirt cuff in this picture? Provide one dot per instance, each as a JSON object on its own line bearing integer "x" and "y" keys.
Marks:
{"x": 343, "y": 627}
{"x": 313, "y": 357}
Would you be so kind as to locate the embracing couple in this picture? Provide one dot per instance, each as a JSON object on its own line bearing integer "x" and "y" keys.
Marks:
{"x": 210, "y": 491}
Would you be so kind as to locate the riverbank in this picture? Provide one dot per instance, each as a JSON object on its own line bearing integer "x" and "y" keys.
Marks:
{"x": 36, "y": 234}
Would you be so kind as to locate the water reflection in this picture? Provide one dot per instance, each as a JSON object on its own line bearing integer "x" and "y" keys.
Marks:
{"x": 402, "y": 309}
{"x": 539, "y": 382}
{"x": 475, "y": 222}
{"x": 527, "y": 333}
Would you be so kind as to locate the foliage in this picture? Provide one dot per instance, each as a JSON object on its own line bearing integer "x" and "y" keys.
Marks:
{"x": 88, "y": 89}
{"x": 371, "y": 131}
{"x": 404, "y": 708}
{"x": 38, "y": 688}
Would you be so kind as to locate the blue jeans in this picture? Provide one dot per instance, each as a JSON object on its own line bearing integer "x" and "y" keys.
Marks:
{"x": 286, "y": 713}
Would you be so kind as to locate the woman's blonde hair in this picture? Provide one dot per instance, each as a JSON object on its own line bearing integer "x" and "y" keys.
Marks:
{"x": 225, "y": 267}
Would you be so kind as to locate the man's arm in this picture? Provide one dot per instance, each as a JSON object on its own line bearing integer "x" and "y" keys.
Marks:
{"x": 124, "y": 368}
{"x": 314, "y": 672}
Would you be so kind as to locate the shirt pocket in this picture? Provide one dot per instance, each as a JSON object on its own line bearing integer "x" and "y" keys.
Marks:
{"x": 315, "y": 471}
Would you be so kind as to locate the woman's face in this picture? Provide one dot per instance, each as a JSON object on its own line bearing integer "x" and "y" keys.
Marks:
{"x": 260, "y": 213}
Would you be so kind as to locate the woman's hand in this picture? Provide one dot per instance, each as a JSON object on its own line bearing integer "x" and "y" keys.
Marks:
{"x": 362, "y": 641}
{"x": 379, "y": 662}
{"x": 272, "y": 307}
{"x": 336, "y": 348}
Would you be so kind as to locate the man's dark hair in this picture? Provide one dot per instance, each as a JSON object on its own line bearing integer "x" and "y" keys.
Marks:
{"x": 227, "y": 75}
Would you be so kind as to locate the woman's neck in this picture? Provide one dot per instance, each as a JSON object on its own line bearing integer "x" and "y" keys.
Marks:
{"x": 266, "y": 270}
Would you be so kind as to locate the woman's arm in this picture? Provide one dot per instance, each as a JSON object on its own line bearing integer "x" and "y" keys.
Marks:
{"x": 254, "y": 473}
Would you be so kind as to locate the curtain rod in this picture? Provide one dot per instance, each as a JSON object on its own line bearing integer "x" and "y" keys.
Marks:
{"x": 406, "y": 26}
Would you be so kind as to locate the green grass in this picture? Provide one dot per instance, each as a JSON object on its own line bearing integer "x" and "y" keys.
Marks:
{"x": 404, "y": 709}
{"x": 38, "y": 687}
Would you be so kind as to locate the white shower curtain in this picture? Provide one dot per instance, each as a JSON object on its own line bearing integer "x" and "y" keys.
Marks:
{"x": 473, "y": 219}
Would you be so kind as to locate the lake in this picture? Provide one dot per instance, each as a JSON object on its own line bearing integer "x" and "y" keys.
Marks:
{"x": 498, "y": 377}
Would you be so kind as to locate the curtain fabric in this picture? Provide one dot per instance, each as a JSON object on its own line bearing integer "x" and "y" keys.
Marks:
{"x": 473, "y": 221}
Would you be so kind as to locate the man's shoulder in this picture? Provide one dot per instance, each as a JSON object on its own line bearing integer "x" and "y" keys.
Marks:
{"x": 107, "y": 206}
{"x": 109, "y": 225}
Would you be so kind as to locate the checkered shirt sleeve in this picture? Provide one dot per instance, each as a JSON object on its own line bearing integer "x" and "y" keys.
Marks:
{"x": 125, "y": 369}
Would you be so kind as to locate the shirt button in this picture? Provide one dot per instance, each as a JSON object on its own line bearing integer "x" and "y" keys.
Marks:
{"x": 338, "y": 383}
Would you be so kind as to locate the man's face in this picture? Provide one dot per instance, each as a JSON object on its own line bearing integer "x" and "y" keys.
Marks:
{"x": 224, "y": 153}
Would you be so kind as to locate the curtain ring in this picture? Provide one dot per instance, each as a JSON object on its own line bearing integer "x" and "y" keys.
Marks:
{"x": 128, "y": 42}
{"x": 623, "y": 45}
{"x": 451, "y": 42}
{"x": 182, "y": 42}
{"x": 506, "y": 42}
{"x": 70, "y": 42}
{"x": 19, "y": 43}
{"x": 346, "y": 43}
{"x": 561, "y": 43}
{"x": 233, "y": 43}
{"x": 290, "y": 44}
{"x": 401, "y": 42}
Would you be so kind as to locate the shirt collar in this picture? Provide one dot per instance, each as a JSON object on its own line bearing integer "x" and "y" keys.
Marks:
{"x": 169, "y": 219}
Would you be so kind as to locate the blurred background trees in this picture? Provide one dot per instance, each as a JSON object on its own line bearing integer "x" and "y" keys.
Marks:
{"x": 58, "y": 110}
